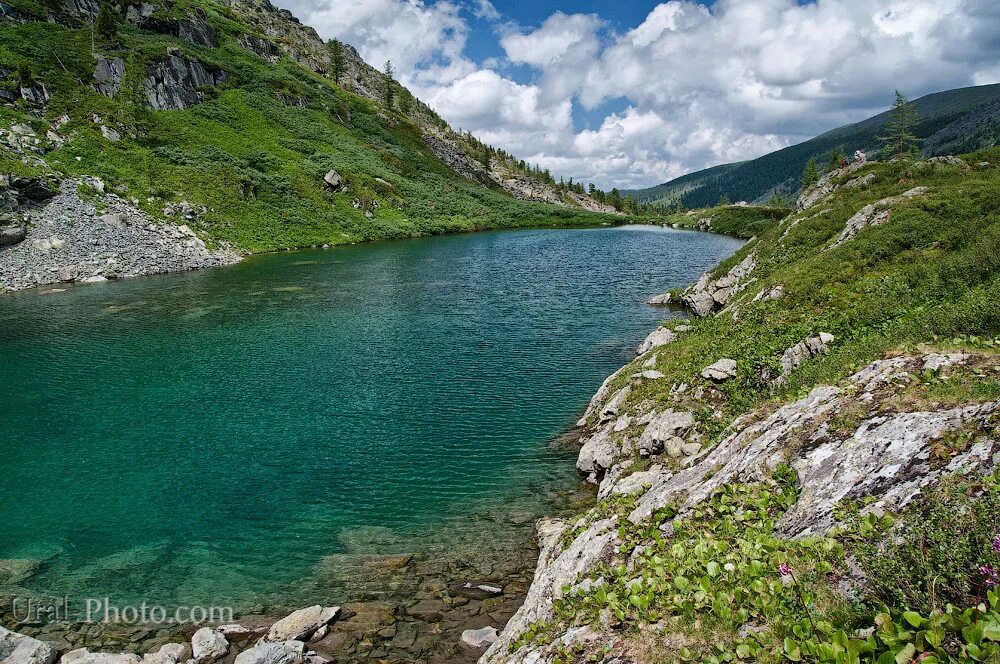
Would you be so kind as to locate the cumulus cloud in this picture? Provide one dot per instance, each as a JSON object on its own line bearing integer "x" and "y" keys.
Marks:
{"x": 414, "y": 35}
{"x": 702, "y": 85}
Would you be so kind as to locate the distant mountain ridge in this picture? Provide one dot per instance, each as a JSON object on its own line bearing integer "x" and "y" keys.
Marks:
{"x": 951, "y": 122}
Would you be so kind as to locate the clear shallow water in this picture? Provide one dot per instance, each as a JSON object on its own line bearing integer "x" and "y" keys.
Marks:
{"x": 225, "y": 435}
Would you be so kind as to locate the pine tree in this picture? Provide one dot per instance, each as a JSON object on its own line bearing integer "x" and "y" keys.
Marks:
{"x": 899, "y": 139}
{"x": 810, "y": 175}
{"x": 336, "y": 60}
{"x": 834, "y": 159}
{"x": 390, "y": 84}
{"x": 106, "y": 24}
{"x": 405, "y": 101}
{"x": 615, "y": 199}
{"x": 723, "y": 200}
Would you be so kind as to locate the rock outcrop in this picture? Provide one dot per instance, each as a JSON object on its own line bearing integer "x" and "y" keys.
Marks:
{"x": 172, "y": 84}
{"x": 707, "y": 294}
{"x": 885, "y": 457}
{"x": 874, "y": 214}
{"x": 108, "y": 75}
{"x": 828, "y": 184}
{"x": 17, "y": 195}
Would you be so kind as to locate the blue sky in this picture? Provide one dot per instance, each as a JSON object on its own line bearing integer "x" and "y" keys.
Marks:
{"x": 632, "y": 94}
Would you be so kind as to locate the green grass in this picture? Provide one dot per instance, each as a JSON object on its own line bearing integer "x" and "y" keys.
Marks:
{"x": 255, "y": 162}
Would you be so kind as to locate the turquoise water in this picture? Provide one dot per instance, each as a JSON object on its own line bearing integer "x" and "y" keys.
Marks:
{"x": 219, "y": 435}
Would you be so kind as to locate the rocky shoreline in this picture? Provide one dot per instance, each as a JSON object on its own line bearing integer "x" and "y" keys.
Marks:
{"x": 76, "y": 232}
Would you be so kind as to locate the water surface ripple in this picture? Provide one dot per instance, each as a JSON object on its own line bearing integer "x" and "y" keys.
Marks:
{"x": 216, "y": 435}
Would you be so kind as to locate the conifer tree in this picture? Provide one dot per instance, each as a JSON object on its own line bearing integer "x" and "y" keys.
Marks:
{"x": 106, "y": 24}
{"x": 810, "y": 175}
{"x": 389, "y": 94}
{"x": 336, "y": 60}
{"x": 899, "y": 139}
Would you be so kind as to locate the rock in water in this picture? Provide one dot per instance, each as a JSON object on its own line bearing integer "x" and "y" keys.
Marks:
{"x": 208, "y": 645}
{"x": 479, "y": 638}
{"x": 84, "y": 656}
{"x": 300, "y": 625}
{"x": 20, "y": 649}
{"x": 287, "y": 652}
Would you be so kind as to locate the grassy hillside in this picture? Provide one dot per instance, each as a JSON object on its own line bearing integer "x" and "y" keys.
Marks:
{"x": 256, "y": 148}
{"x": 951, "y": 122}
{"x": 894, "y": 587}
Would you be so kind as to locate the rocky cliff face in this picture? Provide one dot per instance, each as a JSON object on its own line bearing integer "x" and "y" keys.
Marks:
{"x": 172, "y": 84}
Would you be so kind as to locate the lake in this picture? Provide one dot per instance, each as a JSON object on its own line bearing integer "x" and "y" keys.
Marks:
{"x": 243, "y": 435}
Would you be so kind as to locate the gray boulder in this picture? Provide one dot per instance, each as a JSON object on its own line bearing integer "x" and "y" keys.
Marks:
{"x": 12, "y": 230}
{"x": 332, "y": 179}
{"x": 720, "y": 371}
{"x": 658, "y": 337}
{"x": 479, "y": 638}
{"x": 208, "y": 645}
{"x": 20, "y": 649}
{"x": 301, "y": 624}
{"x": 84, "y": 656}
{"x": 666, "y": 430}
{"x": 198, "y": 31}
{"x": 36, "y": 93}
{"x": 287, "y": 652}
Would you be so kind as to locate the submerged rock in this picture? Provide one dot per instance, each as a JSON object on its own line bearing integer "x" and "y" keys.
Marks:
{"x": 286, "y": 652}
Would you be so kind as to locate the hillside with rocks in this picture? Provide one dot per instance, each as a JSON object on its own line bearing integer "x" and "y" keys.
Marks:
{"x": 778, "y": 477}
{"x": 236, "y": 121}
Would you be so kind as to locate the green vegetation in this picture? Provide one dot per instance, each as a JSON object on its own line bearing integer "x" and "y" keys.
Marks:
{"x": 718, "y": 584}
{"x": 255, "y": 151}
{"x": 106, "y": 25}
{"x": 743, "y": 221}
{"x": 722, "y": 568}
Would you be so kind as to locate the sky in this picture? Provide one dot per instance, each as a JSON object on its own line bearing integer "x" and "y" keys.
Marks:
{"x": 634, "y": 93}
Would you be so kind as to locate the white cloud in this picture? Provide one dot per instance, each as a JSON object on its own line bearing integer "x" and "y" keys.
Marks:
{"x": 701, "y": 85}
